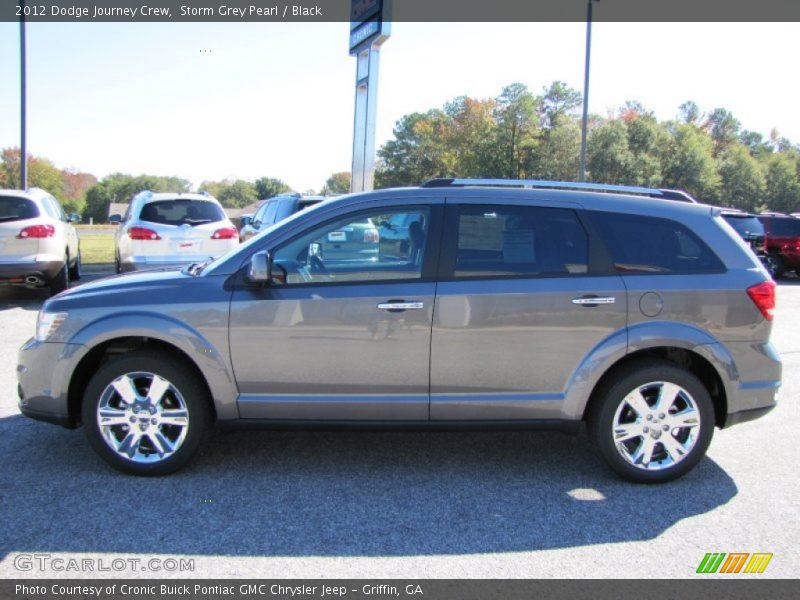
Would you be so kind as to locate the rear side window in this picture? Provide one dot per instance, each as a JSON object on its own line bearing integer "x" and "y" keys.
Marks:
{"x": 521, "y": 241}
{"x": 17, "y": 209}
{"x": 653, "y": 245}
{"x": 180, "y": 212}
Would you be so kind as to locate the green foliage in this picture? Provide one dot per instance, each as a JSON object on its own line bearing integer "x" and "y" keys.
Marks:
{"x": 337, "y": 183}
{"x": 231, "y": 194}
{"x": 689, "y": 164}
{"x": 782, "y": 185}
{"x": 267, "y": 187}
{"x": 41, "y": 172}
{"x": 742, "y": 178}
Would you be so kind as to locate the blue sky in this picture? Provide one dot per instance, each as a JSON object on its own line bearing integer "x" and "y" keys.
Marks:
{"x": 277, "y": 99}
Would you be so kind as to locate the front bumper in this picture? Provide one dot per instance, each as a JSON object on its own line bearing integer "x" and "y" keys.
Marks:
{"x": 43, "y": 376}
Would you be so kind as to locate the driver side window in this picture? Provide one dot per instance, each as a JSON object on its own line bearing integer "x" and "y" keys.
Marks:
{"x": 362, "y": 247}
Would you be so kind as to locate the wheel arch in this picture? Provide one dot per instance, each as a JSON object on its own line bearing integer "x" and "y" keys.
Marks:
{"x": 689, "y": 359}
{"x": 109, "y": 338}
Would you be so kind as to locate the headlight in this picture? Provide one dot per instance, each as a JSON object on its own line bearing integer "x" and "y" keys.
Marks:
{"x": 47, "y": 323}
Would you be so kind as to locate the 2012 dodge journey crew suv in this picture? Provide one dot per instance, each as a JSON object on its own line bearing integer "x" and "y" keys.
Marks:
{"x": 509, "y": 304}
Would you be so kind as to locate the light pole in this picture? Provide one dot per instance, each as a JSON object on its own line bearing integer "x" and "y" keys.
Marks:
{"x": 23, "y": 149}
{"x": 582, "y": 176}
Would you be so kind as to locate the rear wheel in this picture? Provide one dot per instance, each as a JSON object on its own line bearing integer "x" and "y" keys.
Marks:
{"x": 652, "y": 422}
{"x": 775, "y": 265}
{"x": 75, "y": 270}
{"x": 145, "y": 413}
{"x": 61, "y": 281}
{"x": 117, "y": 264}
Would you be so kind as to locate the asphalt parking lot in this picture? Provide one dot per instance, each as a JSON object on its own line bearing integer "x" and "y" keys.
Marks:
{"x": 412, "y": 505}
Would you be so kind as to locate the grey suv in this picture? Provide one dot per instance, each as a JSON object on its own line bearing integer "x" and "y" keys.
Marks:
{"x": 515, "y": 305}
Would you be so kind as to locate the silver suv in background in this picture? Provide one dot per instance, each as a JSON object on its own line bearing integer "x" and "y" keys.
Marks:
{"x": 171, "y": 229}
{"x": 39, "y": 246}
{"x": 277, "y": 209}
{"x": 489, "y": 305}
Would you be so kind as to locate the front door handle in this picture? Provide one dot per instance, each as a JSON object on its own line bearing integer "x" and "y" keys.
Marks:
{"x": 590, "y": 301}
{"x": 399, "y": 306}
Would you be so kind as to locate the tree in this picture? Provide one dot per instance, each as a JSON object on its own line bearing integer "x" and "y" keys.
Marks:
{"x": 267, "y": 187}
{"x": 337, "y": 183}
{"x": 690, "y": 113}
{"x": 689, "y": 163}
{"x": 742, "y": 179}
{"x": 41, "y": 172}
{"x": 419, "y": 151}
{"x": 557, "y": 101}
{"x": 782, "y": 185}
{"x": 558, "y": 156}
{"x": 609, "y": 159}
{"x": 516, "y": 115}
{"x": 724, "y": 129}
{"x": 231, "y": 194}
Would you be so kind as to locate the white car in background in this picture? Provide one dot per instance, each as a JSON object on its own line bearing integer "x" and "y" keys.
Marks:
{"x": 171, "y": 230}
{"x": 38, "y": 244}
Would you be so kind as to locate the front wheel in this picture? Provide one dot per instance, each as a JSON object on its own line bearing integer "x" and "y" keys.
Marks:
{"x": 653, "y": 422}
{"x": 145, "y": 413}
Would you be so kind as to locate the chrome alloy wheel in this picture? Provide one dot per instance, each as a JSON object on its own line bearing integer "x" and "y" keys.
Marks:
{"x": 656, "y": 425}
{"x": 142, "y": 417}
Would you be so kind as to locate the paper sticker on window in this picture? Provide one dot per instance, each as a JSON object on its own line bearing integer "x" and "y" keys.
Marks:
{"x": 518, "y": 246}
{"x": 337, "y": 236}
{"x": 481, "y": 232}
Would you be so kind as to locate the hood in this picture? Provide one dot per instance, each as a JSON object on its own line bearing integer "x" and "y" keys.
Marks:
{"x": 121, "y": 289}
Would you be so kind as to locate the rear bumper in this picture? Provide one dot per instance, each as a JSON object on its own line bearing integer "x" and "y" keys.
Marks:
{"x": 144, "y": 263}
{"x": 16, "y": 273}
{"x": 756, "y": 392}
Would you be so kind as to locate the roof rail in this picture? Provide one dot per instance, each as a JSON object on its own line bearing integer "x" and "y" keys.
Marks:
{"x": 541, "y": 183}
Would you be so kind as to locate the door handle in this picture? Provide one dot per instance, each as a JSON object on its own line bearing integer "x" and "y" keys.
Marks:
{"x": 399, "y": 306}
{"x": 590, "y": 301}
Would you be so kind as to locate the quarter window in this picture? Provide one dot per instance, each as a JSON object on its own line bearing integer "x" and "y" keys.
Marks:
{"x": 359, "y": 248}
{"x": 522, "y": 241}
{"x": 640, "y": 244}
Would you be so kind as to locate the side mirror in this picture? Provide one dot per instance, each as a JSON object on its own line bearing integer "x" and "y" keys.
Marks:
{"x": 245, "y": 221}
{"x": 259, "y": 269}
{"x": 74, "y": 218}
{"x": 115, "y": 219}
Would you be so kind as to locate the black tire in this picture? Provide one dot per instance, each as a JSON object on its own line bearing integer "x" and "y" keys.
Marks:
{"x": 61, "y": 281}
{"x": 117, "y": 264}
{"x": 775, "y": 265}
{"x": 185, "y": 394}
{"x": 610, "y": 412}
{"x": 75, "y": 269}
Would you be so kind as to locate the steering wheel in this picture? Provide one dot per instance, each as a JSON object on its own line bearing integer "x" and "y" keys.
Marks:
{"x": 316, "y": 265}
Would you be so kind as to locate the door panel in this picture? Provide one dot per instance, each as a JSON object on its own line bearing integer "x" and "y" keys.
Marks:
{"x": 507, "y": 349}
{"x": 338, "y": 338}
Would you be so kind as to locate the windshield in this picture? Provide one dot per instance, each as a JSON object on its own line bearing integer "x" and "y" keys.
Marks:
{"x": 244, "y": 249}
{"x": 745, "y": 225}
{"x": 16, "y": 209}
{"x": 181, "y": 212}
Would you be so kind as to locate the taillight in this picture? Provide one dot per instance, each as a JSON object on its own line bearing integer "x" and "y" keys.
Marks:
{"x": 37, "y": 231}
{"x": 371, "y": 236}
{"x": 142, "y": 233}
{"x": 763, "y": 296}
{"x": 226, "y": 233}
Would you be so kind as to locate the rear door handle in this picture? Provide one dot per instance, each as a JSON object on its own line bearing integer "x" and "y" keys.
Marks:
{"x": 590, "y": 301}
{"x": 398, "y": 306}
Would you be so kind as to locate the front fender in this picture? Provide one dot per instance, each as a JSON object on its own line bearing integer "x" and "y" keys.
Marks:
{"x": 211, "y": 363}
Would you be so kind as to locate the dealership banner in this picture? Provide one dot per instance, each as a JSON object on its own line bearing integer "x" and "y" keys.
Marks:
{"x": 398, "y": 10}
{"x": 385, "y": 589}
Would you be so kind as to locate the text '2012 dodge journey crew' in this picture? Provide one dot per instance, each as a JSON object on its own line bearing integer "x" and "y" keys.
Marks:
{"x": 492, "y": 307}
